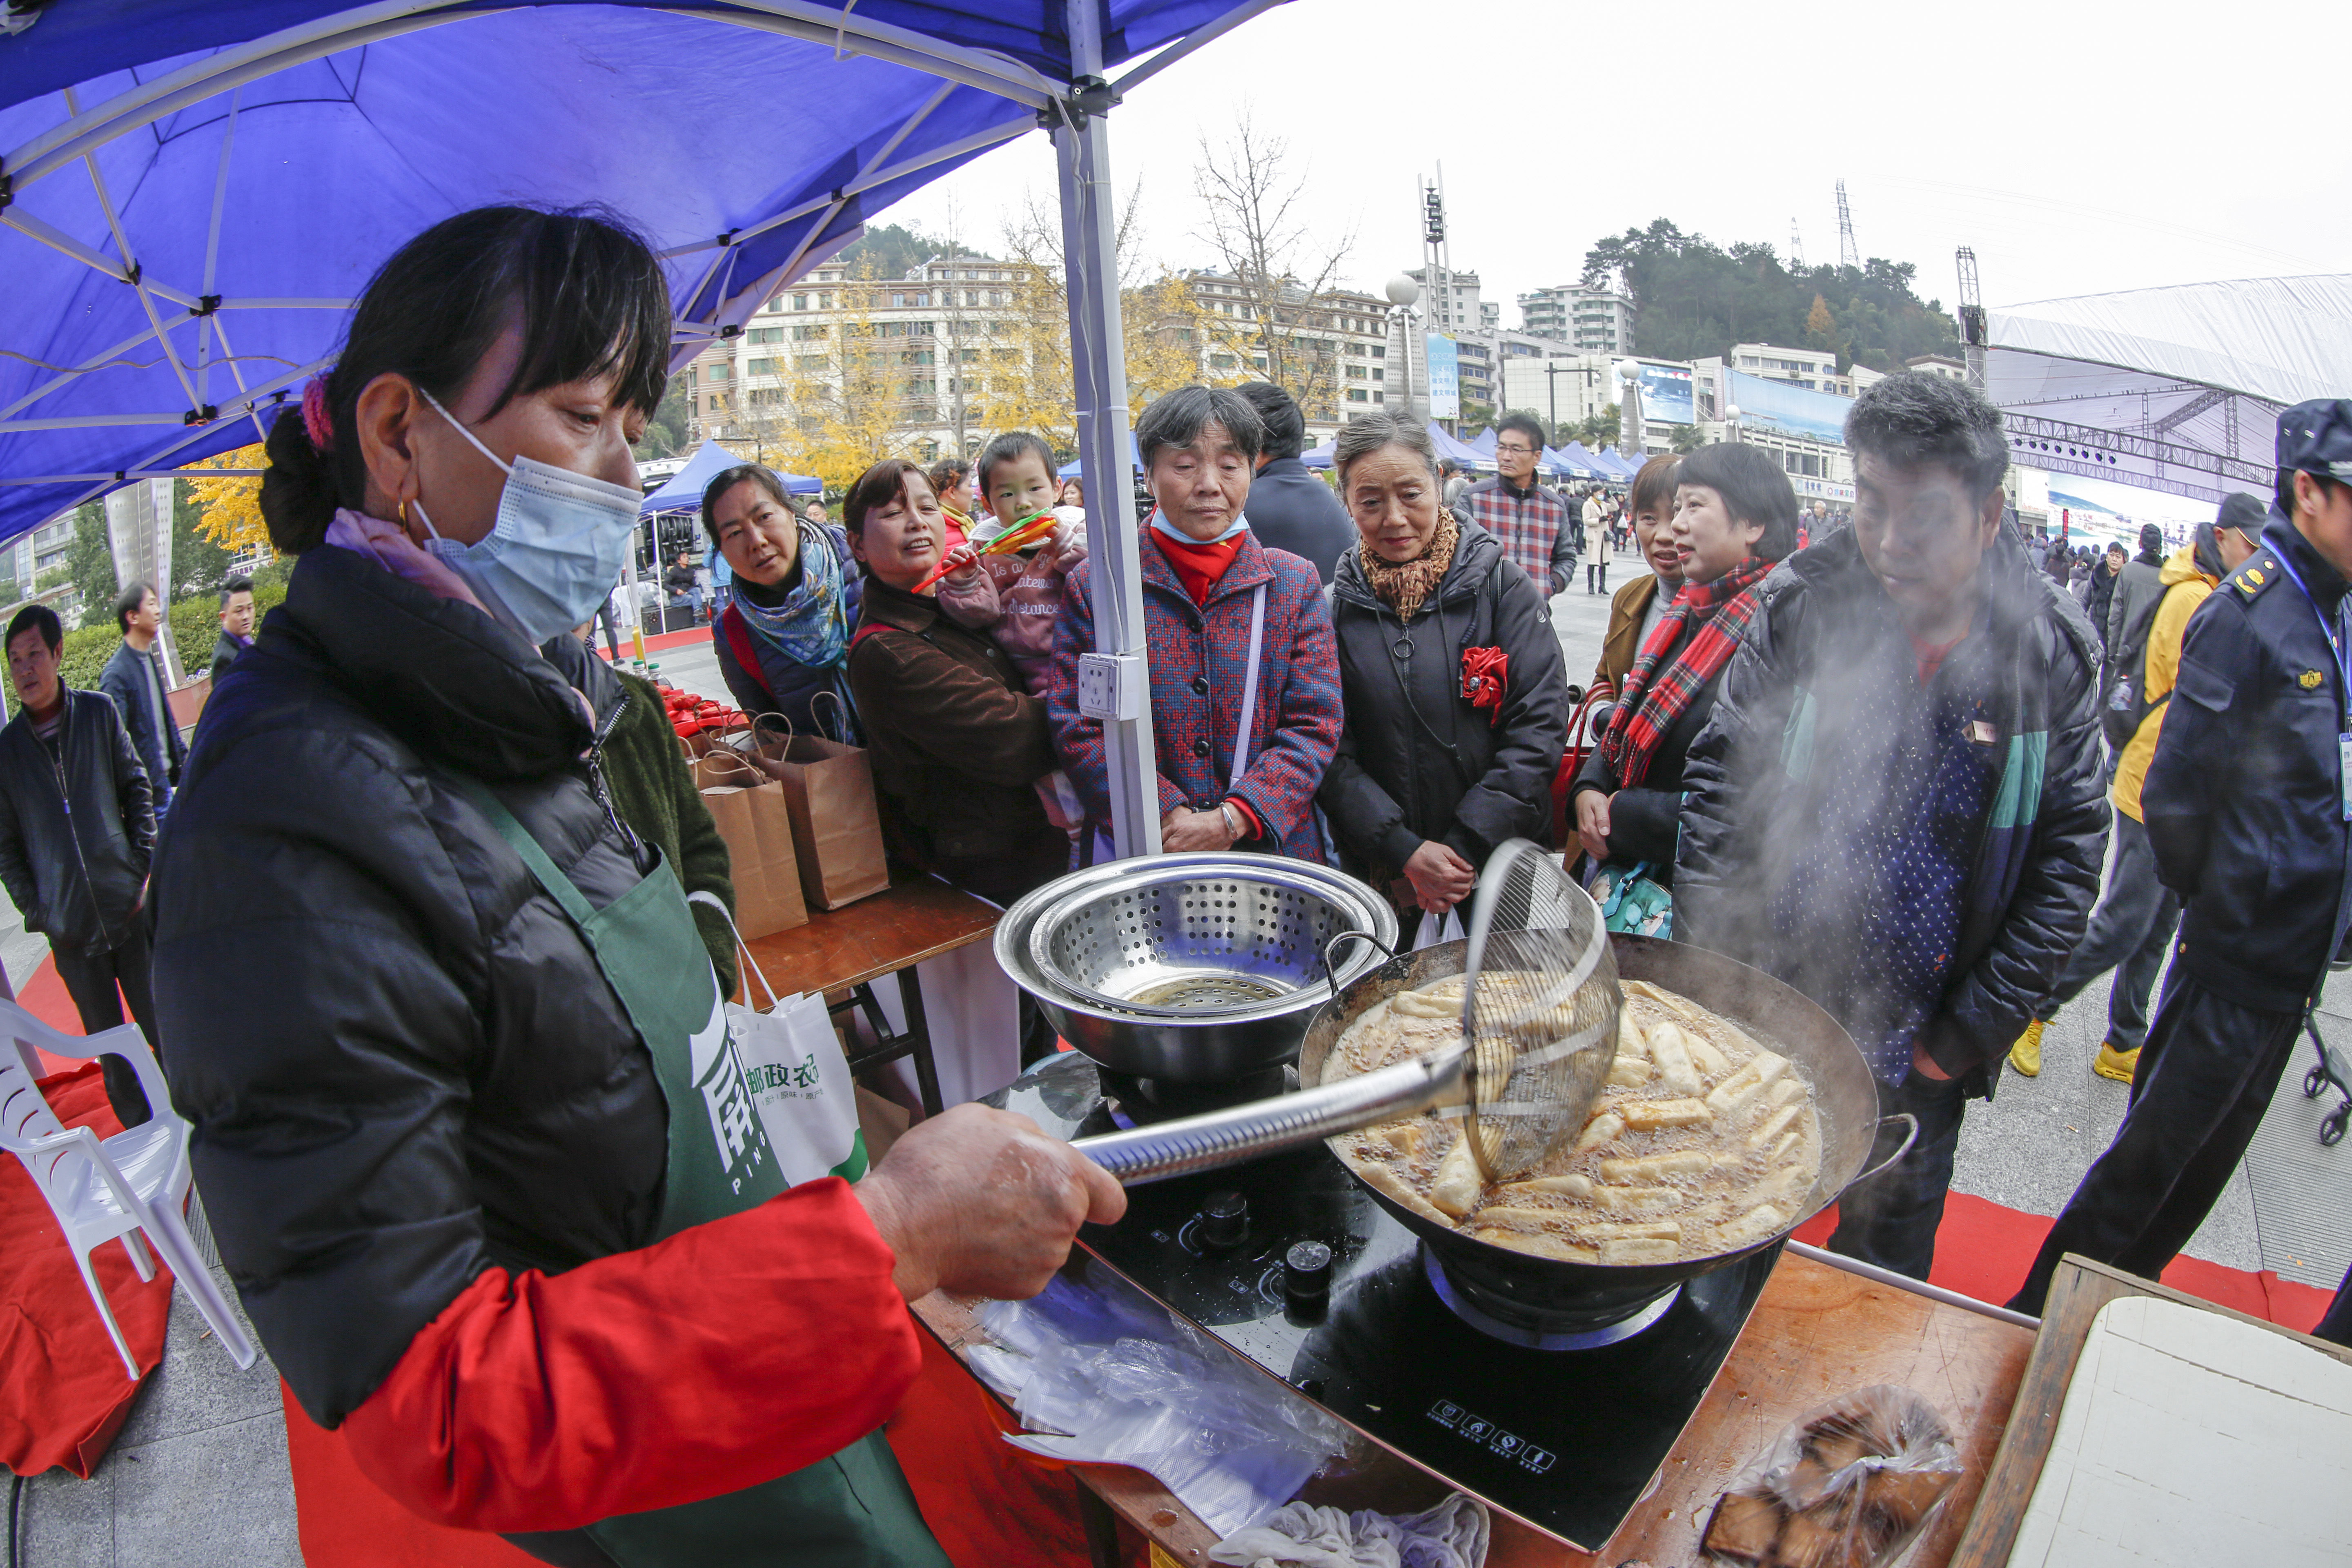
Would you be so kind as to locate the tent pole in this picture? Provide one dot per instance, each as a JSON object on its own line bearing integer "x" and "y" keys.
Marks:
{"x": 1118, "y": 673}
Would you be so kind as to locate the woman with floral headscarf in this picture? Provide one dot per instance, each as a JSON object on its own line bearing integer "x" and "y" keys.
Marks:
{"x": 783, "y": 634}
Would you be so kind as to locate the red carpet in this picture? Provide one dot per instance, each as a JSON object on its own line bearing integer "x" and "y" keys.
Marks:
{"x": 65, "y": 1395}
{"x": 657, "y": 643}
{"x": 1983, "y": 1251}
{"x": 990, "y": 1505}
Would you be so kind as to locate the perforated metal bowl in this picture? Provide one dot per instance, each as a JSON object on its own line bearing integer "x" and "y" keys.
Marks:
{"x": 1211, "y": 941}
{"x": 1180, "y": 1047}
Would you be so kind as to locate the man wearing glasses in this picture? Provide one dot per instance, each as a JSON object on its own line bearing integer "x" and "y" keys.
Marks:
{"x": 1531, "y": 522}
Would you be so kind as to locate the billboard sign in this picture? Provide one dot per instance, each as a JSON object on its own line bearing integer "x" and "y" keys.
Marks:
{"x": 1445, "y": 378}
{"x": 1791, "y": 410}
{"x": 1666, "y": 394}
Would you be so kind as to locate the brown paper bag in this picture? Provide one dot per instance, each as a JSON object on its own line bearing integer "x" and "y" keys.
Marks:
{"x": 836, "y": 830}
{"x": 754, "y": 821}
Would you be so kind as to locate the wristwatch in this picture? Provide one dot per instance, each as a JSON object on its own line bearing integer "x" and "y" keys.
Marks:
{"x": 1234, "y": 824}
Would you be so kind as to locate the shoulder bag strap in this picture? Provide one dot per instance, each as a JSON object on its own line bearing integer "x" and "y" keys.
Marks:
{"x": 739, "y": 642}
{"x": 1248, "y": 720}
{"x": 550, "y": 877}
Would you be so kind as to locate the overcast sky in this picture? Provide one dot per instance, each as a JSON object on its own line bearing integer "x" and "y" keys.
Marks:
{"x": 2079, "y": 148}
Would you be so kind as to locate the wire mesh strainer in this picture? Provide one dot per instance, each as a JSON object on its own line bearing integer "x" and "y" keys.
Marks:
{"x": 1226, "y": 940}
{"x": 1539, "y": 1006}
{"x": 1544, "y": 1038}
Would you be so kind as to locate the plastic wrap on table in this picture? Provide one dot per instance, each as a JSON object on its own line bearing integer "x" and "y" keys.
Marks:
{"x": 1100, "y": 1374}
{"x": 1454, "y": 1535}
{"x": 1850, "y": 1485}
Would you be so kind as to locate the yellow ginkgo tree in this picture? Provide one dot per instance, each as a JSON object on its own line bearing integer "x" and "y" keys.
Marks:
{"x": 229, "y": 506}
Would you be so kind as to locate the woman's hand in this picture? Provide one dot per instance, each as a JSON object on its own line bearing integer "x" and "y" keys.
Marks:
{"x": 983, "y": 1203}
{"x": 1592, "y": 822}
{"x": 1439, "y": 878}
{"x": 1186, "y": 832}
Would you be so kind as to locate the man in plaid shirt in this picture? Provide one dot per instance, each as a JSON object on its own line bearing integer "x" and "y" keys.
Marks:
{"x": 1531, "y": 522}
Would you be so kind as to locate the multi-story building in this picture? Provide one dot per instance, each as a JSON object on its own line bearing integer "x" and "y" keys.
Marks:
{"x": 1336, "y": 359}
{"x": 1591, "y": 320}
{"x": 930, "y": 347}
{"x": 1453, "y": 308}
{"x": 1936, "y": 365}
{"x": 1565, "y": 389}
{"x": 1485, "y": 359}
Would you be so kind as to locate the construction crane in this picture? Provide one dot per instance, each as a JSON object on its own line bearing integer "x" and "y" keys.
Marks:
{"x": 1796, "y": 247}
{"x": 1849, "y": 253}
{"x": 1973, "y": 337}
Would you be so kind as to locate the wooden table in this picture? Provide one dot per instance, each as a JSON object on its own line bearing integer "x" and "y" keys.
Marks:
{"x": 847, "y": 948}
{"x": 2077, "y": 1291}
{"x": 1816, "y": 1333}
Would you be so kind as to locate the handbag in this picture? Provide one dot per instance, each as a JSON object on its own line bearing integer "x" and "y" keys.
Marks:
{"x": 837, "y": 824}
{"x": 748, "y": 806}
{"x": 1631, "y": 899}
{"x": 798, "y": 1078}
{"x": 1580, "y": 741}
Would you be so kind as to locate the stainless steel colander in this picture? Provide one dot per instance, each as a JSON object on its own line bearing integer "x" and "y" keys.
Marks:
{"x": 1210, "y": 941}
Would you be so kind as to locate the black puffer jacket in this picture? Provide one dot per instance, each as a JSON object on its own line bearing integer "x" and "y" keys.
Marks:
{"x": 1415, "y": 761}
{"x": 401, "y": 1059}
{"x": 77, "y": 877}
{"x": 1781, "y": 742}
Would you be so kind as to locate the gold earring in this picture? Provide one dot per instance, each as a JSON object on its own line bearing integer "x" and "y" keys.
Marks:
{"x": 403, "y": 512}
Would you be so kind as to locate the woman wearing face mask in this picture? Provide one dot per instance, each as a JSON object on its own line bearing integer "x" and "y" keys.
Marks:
{"x": 467, "y": 1122}
{"x": 1244, "y": 674}
{"x": 957, "y": 744}
{"x": 1636, "y": 608}
{"x": 782, "y": 634}
{"x": 1456, "y": 696}
{"x": 1735, "y": 516}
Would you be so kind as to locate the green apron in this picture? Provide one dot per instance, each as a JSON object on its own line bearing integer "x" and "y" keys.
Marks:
{"x": 851, "y": 1510}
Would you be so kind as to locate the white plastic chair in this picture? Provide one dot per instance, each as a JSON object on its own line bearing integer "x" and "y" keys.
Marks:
{"x": 101, "y": 1189}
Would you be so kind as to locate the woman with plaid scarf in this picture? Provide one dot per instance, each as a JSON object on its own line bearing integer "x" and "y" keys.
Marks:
{"x": 1735, "y": 517}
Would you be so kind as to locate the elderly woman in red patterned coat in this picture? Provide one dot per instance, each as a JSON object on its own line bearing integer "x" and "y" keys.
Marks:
{"x": 1226, "y": 622}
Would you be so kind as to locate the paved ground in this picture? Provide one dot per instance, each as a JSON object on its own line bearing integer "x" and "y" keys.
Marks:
{"x": 198, "y": 1478}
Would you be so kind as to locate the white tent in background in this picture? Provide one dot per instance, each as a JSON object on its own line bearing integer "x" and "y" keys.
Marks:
{"x": 2175, "y": 389}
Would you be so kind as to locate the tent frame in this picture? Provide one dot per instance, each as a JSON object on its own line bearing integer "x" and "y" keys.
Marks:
{"x": 1114, "y": 681}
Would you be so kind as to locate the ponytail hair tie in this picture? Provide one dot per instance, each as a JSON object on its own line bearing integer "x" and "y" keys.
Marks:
{"x": 315, "y": 423}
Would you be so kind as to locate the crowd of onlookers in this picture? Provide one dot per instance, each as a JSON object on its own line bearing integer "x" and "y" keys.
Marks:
{"x": 424, "y": 974}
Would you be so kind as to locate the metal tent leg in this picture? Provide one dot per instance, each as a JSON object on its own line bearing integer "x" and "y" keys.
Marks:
{"x": 1098, "y": 373}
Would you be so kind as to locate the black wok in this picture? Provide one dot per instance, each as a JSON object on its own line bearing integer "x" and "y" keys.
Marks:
{"x": 1845, "y": 1098}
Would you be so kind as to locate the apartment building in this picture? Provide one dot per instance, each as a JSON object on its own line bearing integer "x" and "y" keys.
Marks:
{"x": 937, "y": 344}
{"x": 1590, "y": 321}
{"x": 1336, "y": 343}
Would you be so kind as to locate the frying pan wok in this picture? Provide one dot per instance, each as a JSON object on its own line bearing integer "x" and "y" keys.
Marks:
{"x": 1845, "y": 1098}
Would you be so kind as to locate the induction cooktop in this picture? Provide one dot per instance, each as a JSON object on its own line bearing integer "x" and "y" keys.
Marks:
{"x": 1564, "y": 1430}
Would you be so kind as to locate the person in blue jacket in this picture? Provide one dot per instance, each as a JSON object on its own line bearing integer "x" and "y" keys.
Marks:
{"x": 2247, "y": 803}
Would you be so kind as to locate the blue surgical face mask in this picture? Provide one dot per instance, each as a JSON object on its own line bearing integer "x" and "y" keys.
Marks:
{"x": 1160, "y": 524}
{"x": 556, "y": 550}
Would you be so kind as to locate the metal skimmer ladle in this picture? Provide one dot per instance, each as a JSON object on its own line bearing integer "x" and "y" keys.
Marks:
{"x": 1535, "y": 1053}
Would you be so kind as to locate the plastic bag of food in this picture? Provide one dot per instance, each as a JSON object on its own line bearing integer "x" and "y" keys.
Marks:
{"x": 1850, "y": 1485}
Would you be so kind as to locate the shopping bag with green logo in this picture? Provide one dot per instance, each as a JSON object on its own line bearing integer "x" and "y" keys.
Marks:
{"x": 797, "y": 1077}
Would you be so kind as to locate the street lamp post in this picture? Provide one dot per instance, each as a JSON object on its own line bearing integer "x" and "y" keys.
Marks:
{"x": 1403, "y": 291}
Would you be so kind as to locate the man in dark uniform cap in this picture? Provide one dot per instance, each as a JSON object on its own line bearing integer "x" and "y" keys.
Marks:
{"x": 2247, "y": 801}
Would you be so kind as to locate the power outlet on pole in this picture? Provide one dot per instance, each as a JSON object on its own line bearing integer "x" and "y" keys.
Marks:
{"x": 1111, "y": 686}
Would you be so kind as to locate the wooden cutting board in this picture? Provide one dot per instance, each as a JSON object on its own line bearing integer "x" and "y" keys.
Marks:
{"x": 2189, "y": 1437}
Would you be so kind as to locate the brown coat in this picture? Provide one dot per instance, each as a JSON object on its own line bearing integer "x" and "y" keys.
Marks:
{"x": 1626, "y": 608}
{"x": 956, "y": 744}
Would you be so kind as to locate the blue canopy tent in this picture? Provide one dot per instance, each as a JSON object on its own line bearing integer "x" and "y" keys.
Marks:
{"x": 1447, "y": 446}
{"x": 195, "y": 193}
{"x": 1483, "y": 443}
{"x": 1321, "y": 457}
{"x": 1076, "y": 468}
{"x": 683, "y": 491}
{"x": 1572, "y": 462}
{"x": 1617, "y": 469}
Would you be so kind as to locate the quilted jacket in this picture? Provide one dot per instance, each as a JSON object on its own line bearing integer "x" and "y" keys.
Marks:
{"x": 1779, "y": 740}
{"x": 1199, "y": 656}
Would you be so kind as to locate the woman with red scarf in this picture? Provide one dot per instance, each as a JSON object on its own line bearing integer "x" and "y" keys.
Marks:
{"x": 1735, "y": 517}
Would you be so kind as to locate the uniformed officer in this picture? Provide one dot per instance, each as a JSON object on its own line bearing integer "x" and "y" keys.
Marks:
{"x": 2247, "y": 801}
